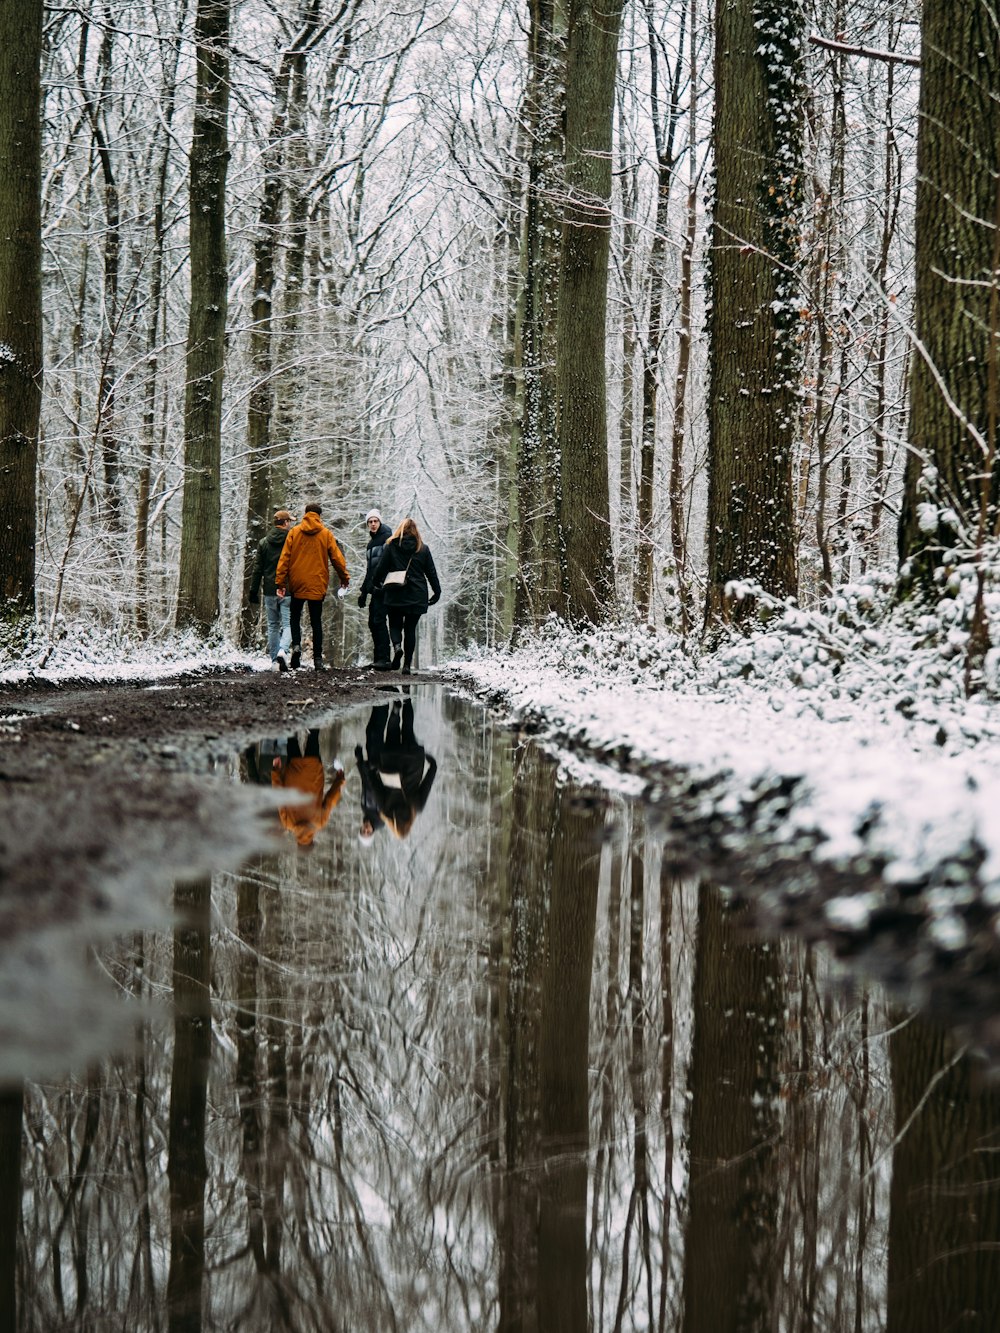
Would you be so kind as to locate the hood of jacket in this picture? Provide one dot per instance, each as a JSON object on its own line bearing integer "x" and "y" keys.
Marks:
{"x": 311, "y": 524}
{"x": 408, "y": 545}
{"x": 274, "y": 541}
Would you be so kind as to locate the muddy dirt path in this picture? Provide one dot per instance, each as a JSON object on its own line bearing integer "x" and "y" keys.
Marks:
{"x": 102, "y": 787}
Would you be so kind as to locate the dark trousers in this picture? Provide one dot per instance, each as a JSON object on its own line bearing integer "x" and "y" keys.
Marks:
{"x": 315, "y": 620}
{"x": 403, "y": 628}
{"x": 312, "y": 746}
{"x": 379, "y": 629}
{"x": 399, "y": 732}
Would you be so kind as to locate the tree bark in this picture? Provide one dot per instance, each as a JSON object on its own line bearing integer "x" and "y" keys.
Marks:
{"x": 201, "y": 517}
{"x": 958, "y": 160}
{"x": 20, "y": 299}
{"x": 538, "y": 589}
{"x": 261, "y": 400}
{"x": 584, "y": 504}
{"x": 753, "y": 413}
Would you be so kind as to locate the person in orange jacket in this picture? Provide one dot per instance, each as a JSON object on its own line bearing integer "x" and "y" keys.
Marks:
{"x": 305, "y": 773}
{"x": 304, "y": 572}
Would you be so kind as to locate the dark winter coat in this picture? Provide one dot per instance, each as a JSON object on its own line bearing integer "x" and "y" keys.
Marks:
{"x": 269, "y": 550}
{"x": 402, "y": 784}
{"x": 412, "y": 595}
{"x": 373, "y": 554}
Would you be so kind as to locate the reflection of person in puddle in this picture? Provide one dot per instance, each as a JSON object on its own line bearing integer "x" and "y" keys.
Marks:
{"x": 403, "y": 774}
{"x": 305, "y": 773}
{"x": 371, "y": 820}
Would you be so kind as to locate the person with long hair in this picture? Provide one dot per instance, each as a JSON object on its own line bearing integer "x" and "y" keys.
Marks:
{"x": 403, "y": 576}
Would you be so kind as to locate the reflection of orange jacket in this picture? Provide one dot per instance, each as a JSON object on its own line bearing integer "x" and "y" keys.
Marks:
{"x": 307, "y": 776}
{"x": 304, "y": 567}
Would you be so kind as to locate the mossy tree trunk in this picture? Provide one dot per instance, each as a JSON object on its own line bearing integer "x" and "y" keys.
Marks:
{"x": 753, "y": 394}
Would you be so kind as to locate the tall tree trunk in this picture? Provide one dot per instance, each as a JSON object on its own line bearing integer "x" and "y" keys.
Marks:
{"x": 287, "y": 472}
{"x": 20, "y": 298}
{"x": 628, "y": 174}
{"x": 161, "y": 158}
{"x": 752, "y": 411}
{"x": 201, "y": 517}
{"x": 949, "y": 474}
{"x": 581, "y": 378}
{"x": 261, "y": 397}
{"x": 538, "y": 588}
{"x": 664, "y": 133}
{"x": 107, "y": 434}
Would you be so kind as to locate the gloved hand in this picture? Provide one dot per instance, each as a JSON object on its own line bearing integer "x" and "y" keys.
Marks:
{"x": 254, "y": 601}
{"x": 362, "y": 598}
{"x": 358, "y": 752}
{"x": 435, "y": 597}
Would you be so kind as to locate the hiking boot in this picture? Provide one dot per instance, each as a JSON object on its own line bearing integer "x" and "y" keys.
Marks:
{"x": 380, "y": 665}
{"x": 318, "y": 664}
{"x": 296, "y": 661}
{"x": 282, "y": 660}
{"x": 397, "y": 657}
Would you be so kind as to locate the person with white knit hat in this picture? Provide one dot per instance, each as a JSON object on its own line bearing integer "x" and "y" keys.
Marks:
{"x": 378, "y": 534}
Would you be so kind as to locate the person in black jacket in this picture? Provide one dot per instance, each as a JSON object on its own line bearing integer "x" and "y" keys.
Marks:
{"x": 406, "y": 597}
{"x": 378, "y": 534}
{"x": 276, "y": 609}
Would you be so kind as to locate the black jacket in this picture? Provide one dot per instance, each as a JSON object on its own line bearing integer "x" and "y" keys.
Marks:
{"x": 373, "y": 554}
{"x": 412, "y": 595}
{"x": 268, "y": 554}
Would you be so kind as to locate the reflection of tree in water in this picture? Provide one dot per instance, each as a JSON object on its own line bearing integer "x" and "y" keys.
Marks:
{"x": 944, "y": 1224}
{"x": 458, "y": 1085}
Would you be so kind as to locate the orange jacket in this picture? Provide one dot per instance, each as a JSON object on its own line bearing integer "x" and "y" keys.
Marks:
{"x": 307, "y": 775}
{"x": 303, "y": 570}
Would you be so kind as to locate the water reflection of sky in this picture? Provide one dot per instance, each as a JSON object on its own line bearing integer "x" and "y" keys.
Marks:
{"x": 506, "y": 1071}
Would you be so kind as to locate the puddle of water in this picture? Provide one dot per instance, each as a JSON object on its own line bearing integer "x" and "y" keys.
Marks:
{"x": 468, "y": 1052}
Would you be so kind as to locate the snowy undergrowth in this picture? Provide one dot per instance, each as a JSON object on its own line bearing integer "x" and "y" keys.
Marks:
{"x": 102, "y": 655}
{"x": 858, "y": 710}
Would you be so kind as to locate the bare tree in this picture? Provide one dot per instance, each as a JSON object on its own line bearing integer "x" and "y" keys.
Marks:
{"x": 20, "y": 299}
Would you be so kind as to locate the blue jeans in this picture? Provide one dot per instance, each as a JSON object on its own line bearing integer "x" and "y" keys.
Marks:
{"x": 278, "y": 611}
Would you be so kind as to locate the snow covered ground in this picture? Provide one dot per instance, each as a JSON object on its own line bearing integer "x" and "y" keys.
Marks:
{"x": 859, "y": 740}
